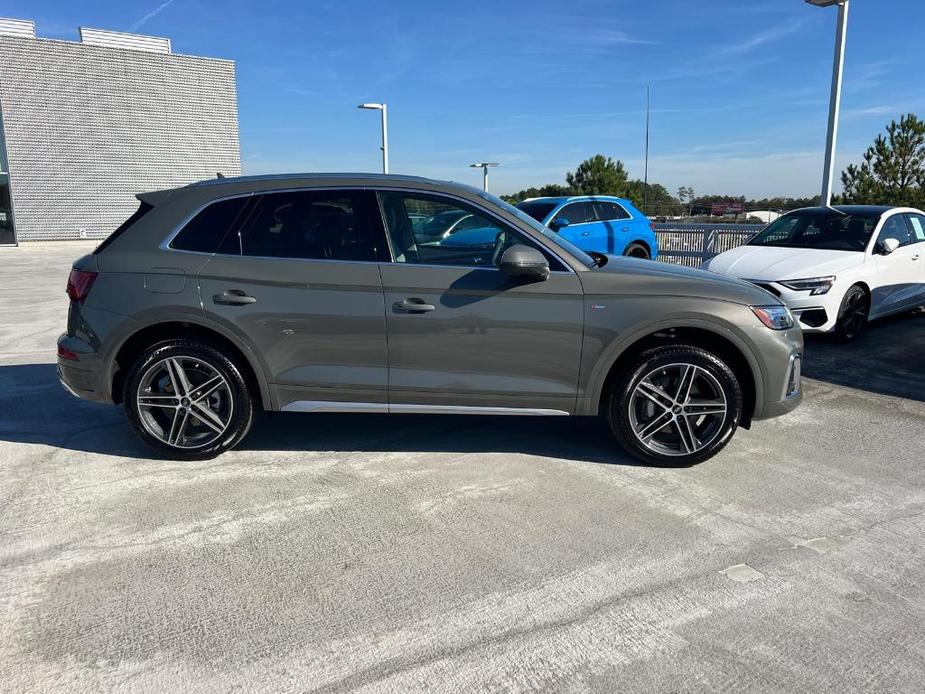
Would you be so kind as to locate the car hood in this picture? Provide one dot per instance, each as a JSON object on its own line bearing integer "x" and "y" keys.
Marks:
{"x": 623, "y": 275}
{"x": 770, "y": 263}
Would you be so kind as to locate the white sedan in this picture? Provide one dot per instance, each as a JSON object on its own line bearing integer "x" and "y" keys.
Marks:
{"x": 836, "y": 267}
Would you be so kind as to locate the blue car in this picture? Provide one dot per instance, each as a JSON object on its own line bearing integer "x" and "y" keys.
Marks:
{"x": 597, "y": 223}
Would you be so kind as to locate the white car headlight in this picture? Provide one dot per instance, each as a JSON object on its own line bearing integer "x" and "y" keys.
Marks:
{"x": 814, "y": 285}
{"x": 774, "y": 317}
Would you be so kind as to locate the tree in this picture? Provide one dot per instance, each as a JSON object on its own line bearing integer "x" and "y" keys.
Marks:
{"x": 893, "y": 168}
{"x": 598, "y": 175}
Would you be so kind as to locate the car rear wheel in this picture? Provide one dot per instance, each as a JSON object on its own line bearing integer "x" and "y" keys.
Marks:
{"x": 676, "y": 405}
{"x": 187, "y": 400}
{"x": 852, "y": 314}
{"x": 637, "y": 250}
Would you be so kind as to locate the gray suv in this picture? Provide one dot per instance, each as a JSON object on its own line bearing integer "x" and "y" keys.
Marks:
{"x": 333, "y": 293}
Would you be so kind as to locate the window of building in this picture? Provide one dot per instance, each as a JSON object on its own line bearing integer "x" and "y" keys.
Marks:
{"x": 7, "y": 232}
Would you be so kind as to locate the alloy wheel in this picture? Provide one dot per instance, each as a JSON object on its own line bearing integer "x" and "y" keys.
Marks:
{"x": 677, "y": 409}
{"x": 184, "y": 402}
{"x": 854, "y": 315}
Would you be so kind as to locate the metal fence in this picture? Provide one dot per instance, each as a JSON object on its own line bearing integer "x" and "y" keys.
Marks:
{"x": 691, "y": 244}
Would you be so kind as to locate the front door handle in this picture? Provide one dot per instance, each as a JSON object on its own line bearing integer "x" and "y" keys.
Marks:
{"x": 233, "y": 297}
{"x": 915, "y": 257}
{"x": 413, "y": 305}
{"x": 586, "y": 233}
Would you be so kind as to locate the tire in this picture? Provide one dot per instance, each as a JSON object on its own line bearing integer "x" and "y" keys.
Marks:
{"x": 637, "y": 250}
{"x": 212, "y": 412}
{"x": 852, "y": 314}
{"x": 651, "y": 424}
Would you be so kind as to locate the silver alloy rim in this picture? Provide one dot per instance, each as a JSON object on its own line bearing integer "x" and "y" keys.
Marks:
{"x": 677, "y": 409}
{"x": 184, "y": 402}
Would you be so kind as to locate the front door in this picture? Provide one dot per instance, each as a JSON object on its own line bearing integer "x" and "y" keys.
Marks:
{"x": 461, "y": 333}
{"x": 299, "y": 281}
{"x": 899, "y": 274}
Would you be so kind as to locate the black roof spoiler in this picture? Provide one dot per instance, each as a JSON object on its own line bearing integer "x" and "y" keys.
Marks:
{"x": 154, "y": 197}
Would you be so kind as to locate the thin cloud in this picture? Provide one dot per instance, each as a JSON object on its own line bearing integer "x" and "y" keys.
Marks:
{"x": 151, "y": 15}
{"x": 761, "y": 38}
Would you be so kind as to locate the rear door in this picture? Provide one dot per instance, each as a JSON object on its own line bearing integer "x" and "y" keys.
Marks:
{"x": 464, "y": 335}
{"x": 298, "y": 279}
{"x": 916, "y": 224}
{"x": 616, "y": 222}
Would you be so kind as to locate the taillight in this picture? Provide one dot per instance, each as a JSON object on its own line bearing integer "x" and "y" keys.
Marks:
{"x": 79, "y": 283}
{"x": 652, "y": 226}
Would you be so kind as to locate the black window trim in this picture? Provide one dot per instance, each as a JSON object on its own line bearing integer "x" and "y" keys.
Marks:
{"x": 612, "y": 219}
{"x": 378, "y": 232}
{"x": 469, "y": 203}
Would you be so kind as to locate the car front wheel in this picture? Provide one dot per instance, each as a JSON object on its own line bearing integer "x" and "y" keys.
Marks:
{"x": 187, "y": 400}
{"x": 676, "y": 405}
{"x": 852, "y": 314}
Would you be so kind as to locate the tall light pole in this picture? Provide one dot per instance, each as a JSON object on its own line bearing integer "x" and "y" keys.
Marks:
{"x": 384, "y": 110}
{"x": 828, "y": 172}
{"x": 484, "y": 166}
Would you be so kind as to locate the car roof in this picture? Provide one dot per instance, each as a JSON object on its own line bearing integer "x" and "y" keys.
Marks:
{"x": 320, "y": 177}
{"x": 577, "y": 198}
{"x": 852, "y": 209}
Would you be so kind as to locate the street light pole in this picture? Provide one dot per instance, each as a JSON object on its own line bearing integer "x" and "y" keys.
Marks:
{"x": 838, "y": 64}
{"x": 384, "y": 110}
{"x": 484, "y": 165}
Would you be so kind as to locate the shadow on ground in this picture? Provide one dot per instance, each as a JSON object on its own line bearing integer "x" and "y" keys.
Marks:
{"x": 34, "y": 408}
{"x": 887, "y": 358}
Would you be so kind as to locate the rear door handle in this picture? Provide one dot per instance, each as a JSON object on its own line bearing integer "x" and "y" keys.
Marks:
{"x": 413, "y": 305}
{"x": 915, "y": 257}
{"x": 625, "y": 229}
{"x": 233, "y": 297}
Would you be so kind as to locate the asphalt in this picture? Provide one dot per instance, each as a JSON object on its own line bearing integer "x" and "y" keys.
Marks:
{"x": 369, "y": 553}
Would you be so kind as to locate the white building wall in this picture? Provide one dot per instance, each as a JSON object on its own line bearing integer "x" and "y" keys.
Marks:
{"x": 87, "y": 127}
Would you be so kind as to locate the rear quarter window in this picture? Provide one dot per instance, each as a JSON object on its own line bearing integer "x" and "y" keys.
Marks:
{"x": 142, "y": 210}
{"x": 204, "y": 232}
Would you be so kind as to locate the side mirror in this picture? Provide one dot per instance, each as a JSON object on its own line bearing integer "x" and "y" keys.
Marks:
{"x": 558, "y": 223}
{"x": 523, "y": 261}
{"x": 888, "y": 246}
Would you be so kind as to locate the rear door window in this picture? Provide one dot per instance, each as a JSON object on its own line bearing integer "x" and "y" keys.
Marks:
{"x": 204, "y": 232}
{"x": 916, "y": 227}
{"x": 309, "y": 225}
{"x": 610, "y": 210}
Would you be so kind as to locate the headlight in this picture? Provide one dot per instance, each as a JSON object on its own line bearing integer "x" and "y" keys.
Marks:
{"x": 814, "y": 285}
{"x": 774, "y": 317}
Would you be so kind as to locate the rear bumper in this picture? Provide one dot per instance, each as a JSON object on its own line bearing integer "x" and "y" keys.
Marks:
{"x": 81, "y": 377}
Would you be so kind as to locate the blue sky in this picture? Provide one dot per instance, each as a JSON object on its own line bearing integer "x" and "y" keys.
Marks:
{"x": 739, "y": 88}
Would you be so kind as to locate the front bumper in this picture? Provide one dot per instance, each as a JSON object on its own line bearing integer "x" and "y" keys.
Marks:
{"x": 814, "y": 314}
{"x": 782, "y": 371}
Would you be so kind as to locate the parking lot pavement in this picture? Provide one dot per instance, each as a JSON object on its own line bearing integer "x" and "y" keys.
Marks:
{"x": 338, "y": 552}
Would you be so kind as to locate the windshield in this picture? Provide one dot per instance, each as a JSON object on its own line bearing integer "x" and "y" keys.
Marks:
{"x": 548, "y": 234}
{"x": 537, "y": 209}
{"x": 823, "y": 229}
